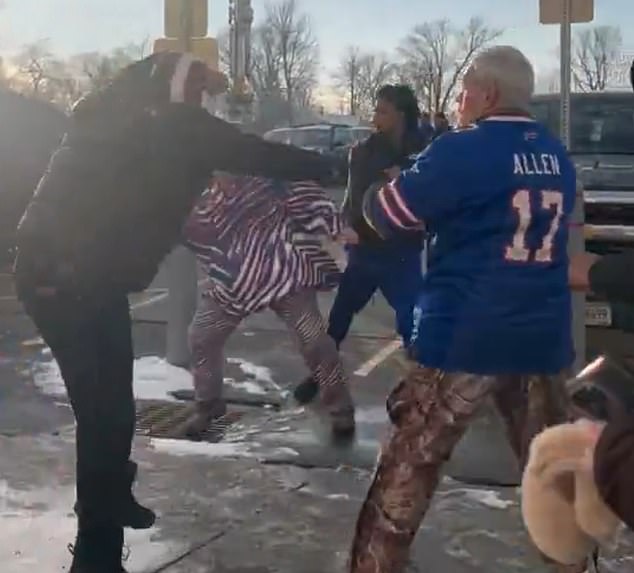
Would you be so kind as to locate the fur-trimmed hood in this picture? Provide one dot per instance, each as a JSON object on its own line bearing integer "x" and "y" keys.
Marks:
{"x": 561, "y": 505}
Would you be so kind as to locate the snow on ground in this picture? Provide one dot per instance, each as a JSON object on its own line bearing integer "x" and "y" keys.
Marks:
{"x": 232, "y": 450}
{"x": 37, "y": 526}
{"x": 155, "y": 378}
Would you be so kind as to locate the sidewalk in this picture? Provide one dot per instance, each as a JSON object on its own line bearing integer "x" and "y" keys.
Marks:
{"x": 223, "y": 509}
{"x": 273, "y": 496}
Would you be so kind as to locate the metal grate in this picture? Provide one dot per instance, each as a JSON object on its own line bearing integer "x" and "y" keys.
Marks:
{"x": 162, "y": 420}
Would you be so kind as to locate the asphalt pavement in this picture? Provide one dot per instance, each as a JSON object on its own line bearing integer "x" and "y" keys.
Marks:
{"x": 271, "y": 494}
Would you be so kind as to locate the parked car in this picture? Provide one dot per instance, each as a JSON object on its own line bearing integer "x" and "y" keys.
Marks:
{"x": 333, "y": 140}
{"x": 602, "y": 146}
{"x": 360, "y": 133}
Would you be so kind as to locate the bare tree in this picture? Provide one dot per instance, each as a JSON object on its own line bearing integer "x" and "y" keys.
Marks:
{"x": 375, "y": 71}
{"x": 35, "y": 63}
{"x": 595, "y": 57}
{"x": 224, "y": 51}
{"x": 266, "y": 63}
{"x": 297, "y": 49}
{"x": 435, "y": 55}
{"x": 347, "y": 77}
{"x": 97, "y": 69}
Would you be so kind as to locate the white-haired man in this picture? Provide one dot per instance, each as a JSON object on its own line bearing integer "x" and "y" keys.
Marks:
{"x": 494, "y": 315}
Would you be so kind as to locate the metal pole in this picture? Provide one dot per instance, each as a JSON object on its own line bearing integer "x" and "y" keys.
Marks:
{"x": 182, "y": 267}
{"x": 577, "y": 240}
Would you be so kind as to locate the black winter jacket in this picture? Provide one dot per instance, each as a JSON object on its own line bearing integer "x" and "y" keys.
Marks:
{"x": 368, "y": 162}
{"x": 116, "y": 194}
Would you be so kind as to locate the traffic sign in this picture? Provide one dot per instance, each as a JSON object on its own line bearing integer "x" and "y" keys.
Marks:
{"x": 204, "y": 48}
{"x": 552, "y": 11}
{"x": 180, "y": 15}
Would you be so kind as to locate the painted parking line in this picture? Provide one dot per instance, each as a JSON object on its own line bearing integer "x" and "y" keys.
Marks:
{"x": 157, "y": 298}
{"x": 382, "y": 355}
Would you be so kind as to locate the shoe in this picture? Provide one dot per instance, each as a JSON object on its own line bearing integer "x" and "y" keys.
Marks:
{"x": 306, "y": 391}
{"x": 131, "y": 513}
{"x": 197, "y": 424}
{"x": 98, "y": 549}
{"x": 343, "y": 425}
{"x": 117, "y": 503}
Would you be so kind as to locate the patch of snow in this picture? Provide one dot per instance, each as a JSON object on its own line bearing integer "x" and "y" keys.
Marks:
{"x": 155, "y": 378}
{"x": 260, "y": 373}
{"x": 48, "y": 379}
{"x": 38, "y": 525}
{"x": 247, "y": 386}
{"x": 248, "y": 334}
{"x": 283, "y": 451}
{"x": 226, "y": 450}
{"x": 338, "y": 496}
{"x": 187, "y": 448}
{"x": 488, "y": 498}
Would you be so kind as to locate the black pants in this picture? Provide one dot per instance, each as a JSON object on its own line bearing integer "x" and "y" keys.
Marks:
{"x": 397, "y": 274}
{"x": 92, "y": 343}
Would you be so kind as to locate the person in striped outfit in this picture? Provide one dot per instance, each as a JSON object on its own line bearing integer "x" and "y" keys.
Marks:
{"x": 265, "y": 244}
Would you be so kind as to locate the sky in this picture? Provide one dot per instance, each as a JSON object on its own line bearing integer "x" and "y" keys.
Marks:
{"x": 74, "y": 26}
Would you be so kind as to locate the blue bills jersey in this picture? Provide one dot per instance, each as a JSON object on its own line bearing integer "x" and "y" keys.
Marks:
{"x": 497, "y": 199}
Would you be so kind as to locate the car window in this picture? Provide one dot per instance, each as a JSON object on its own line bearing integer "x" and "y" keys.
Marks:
{"x": 318, "y": 137}
{"x": 342, "y": 136}
{"x": 597, "y": 125}
{"x": 278, "y": 136}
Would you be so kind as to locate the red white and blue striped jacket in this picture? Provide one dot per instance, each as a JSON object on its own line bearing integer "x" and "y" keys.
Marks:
{"x": 258, "y": 240}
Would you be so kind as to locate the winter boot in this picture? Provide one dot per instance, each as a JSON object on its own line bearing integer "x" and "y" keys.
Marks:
{"x": 98, "y": 549}
{"x": 112, "y": 499}
{"x": 131, "y": 513}
{"x": 306, "y": 391}
{"x": 204, "y": 414}
{"x": 343, "y": 425}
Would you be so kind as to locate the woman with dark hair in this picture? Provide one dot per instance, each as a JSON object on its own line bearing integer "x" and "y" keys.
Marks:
{"x": 393, "y": 266}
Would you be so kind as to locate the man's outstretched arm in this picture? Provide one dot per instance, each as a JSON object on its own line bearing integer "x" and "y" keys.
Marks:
{"x": 240, "y": 153}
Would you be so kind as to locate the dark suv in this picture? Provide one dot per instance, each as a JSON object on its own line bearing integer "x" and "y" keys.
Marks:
{"x": 602, "y": 146}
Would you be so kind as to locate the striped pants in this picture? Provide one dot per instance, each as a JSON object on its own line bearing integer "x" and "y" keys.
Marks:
{"x": 212, "y": 326}
{"x": 430, "y": 412}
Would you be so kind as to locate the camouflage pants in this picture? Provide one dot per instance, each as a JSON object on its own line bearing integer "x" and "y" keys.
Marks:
{"x": 430, "y": 411}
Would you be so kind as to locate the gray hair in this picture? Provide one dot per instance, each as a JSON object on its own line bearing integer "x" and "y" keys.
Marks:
{"x": 510, "y": 71}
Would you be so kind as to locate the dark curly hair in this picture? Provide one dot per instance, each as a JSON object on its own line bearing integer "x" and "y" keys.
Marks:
{"x": 403, "y": 98}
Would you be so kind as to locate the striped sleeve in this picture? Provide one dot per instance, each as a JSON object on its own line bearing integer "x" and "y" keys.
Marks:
{"x": 433, "y": 187}
{"x": 387, "y": 212}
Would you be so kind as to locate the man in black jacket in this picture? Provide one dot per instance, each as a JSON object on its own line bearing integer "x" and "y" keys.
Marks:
{"x": 111, "y": 205}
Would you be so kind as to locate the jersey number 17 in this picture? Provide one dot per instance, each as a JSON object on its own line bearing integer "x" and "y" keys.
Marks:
{"x": 551, "y": 201}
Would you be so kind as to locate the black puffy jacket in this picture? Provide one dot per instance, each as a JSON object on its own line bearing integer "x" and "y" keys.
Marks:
{"x": 116, "y": 194}
{"x": 368, "y": 162}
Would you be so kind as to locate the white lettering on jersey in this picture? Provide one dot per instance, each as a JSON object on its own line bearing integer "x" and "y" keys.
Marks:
{"x": 531, "y": 164}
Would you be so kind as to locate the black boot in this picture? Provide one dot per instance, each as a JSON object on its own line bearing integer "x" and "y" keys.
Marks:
{"x": 112, "y": 499}
{"x": 98, "y": 549}
{"x": 131, "y": 513}
{"x": 306, "y": 391}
